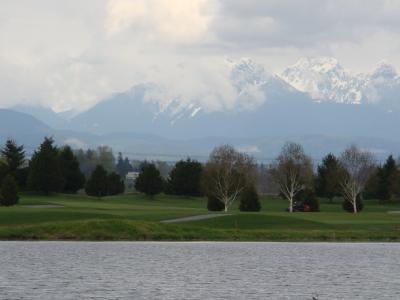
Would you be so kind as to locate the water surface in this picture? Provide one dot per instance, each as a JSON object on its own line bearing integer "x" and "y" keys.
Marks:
{"x": 150, "y": 270}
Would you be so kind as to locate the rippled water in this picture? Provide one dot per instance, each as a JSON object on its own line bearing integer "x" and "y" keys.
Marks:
{"x": 80, "y": 270}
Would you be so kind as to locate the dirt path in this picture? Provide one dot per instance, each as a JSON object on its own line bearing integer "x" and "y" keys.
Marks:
{"x": 194, "y": 218}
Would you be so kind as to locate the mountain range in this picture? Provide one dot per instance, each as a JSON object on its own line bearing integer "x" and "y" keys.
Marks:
{"x": 316, "y": 101}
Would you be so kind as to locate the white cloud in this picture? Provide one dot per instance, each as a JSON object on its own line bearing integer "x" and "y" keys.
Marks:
{"x": 168, "y": 20}
{"x": 71, "y": 54}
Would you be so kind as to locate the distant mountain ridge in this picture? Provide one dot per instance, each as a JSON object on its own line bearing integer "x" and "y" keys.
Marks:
{"x": 313, "y": 101}
{"x": 29, "y": 131}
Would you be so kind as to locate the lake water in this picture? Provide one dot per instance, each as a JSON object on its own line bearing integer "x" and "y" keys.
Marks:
{"x": 81, "y": 270}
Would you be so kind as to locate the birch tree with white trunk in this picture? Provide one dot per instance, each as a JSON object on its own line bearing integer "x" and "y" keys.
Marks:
{"x": 227, "y": 173}
{"x": 292, "y": 171}
{"x": 358, "y": 166}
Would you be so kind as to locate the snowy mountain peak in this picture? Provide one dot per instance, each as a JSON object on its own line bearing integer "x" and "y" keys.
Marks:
{"x": 246, "y": 72}
{"x": 323, "y": 78}
{"x": 319, "y": 64}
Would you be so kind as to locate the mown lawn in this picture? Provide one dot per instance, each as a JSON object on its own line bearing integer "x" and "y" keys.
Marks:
{"x": 136, "y": 217}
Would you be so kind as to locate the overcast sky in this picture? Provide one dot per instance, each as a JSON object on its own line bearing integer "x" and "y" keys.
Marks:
{"x": 70, "y": 54}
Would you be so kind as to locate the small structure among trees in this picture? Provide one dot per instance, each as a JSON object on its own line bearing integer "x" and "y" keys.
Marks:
{"x": 226, "y": 175}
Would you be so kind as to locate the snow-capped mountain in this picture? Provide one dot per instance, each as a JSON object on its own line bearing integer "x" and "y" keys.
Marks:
{"x": 314, "y": 98}
{"x": 324, "y": 79}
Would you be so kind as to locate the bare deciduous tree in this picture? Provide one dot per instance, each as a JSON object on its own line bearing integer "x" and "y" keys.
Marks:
{"x": 358, "y": 166}
{"x": 227, "y": 173}
{"x": 292, "y": 171}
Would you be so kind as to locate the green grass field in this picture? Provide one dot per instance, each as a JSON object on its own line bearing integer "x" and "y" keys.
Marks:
{"x": 136, "y": 217}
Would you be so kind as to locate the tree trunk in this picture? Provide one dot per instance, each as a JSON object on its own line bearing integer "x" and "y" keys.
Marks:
{"x": 291, "y": 205}
{"x": 226, "y": 208}
{"x": 355, "y": 204}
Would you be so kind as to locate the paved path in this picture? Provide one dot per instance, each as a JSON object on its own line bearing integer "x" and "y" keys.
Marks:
{"x": 43, "y": 206}
{"x": 195, "y": 218}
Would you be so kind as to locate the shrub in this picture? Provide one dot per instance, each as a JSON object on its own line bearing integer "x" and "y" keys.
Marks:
{"x": 9, "y": 191}
{"x": 96, "y": 186}
{"x": 115, "y": 184}
{"x": 213, "y": 204}
{"x": 308, "y": 199}
{"x": 348, "y": 206}
{"x": 249, "y": 200}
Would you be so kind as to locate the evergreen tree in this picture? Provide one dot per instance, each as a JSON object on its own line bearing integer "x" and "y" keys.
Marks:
{"x": 328, "y": 174}
{"x": 185, "y": 178}
{"x": 249, "y": 200}
{"x": 97, "y": 184}
{"x": 115, "y": 185}
{"x": 9, "y": 191}
{"x": 214, "y": 204}
{"x": 13, "y": 161}
{"x": 73, "y": 177}
{"x": 149, "y": 180}
{"x": 45, "y": 171}
{"x": 388, "y": 179}
{"x": 14, "y": 156}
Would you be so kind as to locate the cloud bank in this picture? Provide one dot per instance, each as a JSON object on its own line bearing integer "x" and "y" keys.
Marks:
{"x": 71, "y": 54}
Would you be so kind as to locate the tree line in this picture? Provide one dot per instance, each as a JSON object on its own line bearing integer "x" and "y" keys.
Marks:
{"x": 228, "y": 176}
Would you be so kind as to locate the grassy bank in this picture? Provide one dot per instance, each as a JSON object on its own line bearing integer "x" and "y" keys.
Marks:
{"x": 135, "y": 217}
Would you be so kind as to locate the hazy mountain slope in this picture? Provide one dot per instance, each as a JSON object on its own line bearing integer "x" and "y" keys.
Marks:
{"x": 22, "y": 127}
{"x": 44, "y": 114}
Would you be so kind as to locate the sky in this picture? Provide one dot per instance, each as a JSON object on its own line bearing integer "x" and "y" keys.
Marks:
{"x": 72, "y": 54}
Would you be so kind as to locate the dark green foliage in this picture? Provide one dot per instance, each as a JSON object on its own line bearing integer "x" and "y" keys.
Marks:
{"x": 14, "y": 156}
{"x": 327, "y": 183}
{"x": 348, "y": 206}
{"x": 14, "y": 159}
{"x": 372, "y": 186}
{"x": 3, "y": 171}
{"x": 388, "y": 179}
{"x": 21, "y": 176}
{"x": 213, "y": 204}
{"x": 96, "y": 185}
{"x": 185, "y": 179}
{"x": 73, "y": 177}
{"x": 308, "y": 199}
{"x": 9, "y": 191}
{"x": 115, "y": 185}
{"x": 149, "y": 181}
{"x": 45, "y": 171}
{"x": 123, "y": 166}
{"x": 249, "y": 200}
